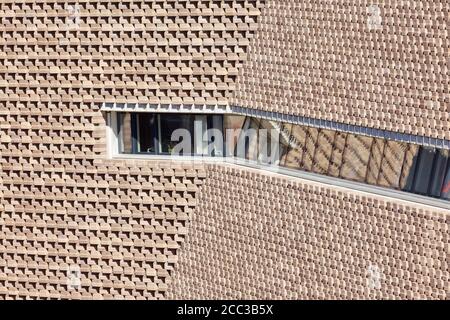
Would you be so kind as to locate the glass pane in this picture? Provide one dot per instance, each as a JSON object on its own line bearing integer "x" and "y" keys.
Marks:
{"x": 337, "y": 154}
{"x": 310, "y": 148}
{"x": 232, "y": 126}
{"x": 323, "y": 152}
{"x": 125, "y": 136}
{"x": 147, "y": 132}
{"x": 376, "y": 156}
{"x": 409, "y": 167}
{"x": 356, "y": 157}
{"x": 269, "y": 140}
{"x": 294, "y": 155}
{"x": 392, "y": 163}
{"x": 423, "y": 170}
{"x": 247, "y": 145}
{"x": 445, "y": 192}
{"x": 439, "y": 171}
{"x": 285, "y": 140}
{"x": 200, "y": 135}
{"x": 170, "y": 123}
{"x": 215, "y": 136}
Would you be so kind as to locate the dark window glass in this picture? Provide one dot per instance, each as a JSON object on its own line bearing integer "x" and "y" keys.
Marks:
{"x": 409, "y": 168}
{"x": 439, "y": 171}
{"x": 423, "y": 170}
{"x": 445, "y": 191}
{"x": 148, "y": 130}
{"x": 169, "y": 124}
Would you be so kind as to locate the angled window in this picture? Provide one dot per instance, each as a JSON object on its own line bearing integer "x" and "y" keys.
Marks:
{"x": 423, "y": 170}
{"x": 439, "y": 172}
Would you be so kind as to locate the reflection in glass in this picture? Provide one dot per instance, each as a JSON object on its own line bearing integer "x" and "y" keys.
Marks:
{"x": 124, "y": 133}
{"x": 376, "y": 156}
{"x": 409, "y": 167}
{"x": 391, "y": 165}
{"x": 337, "y": 154}
{"x": 215, "y": 136}
{"x": 356, "y": 157}
{"x": 323, "y": 151}
{"x": 310, "y": 148}
{"x": 232, "y": 126}
{"x": 269, "y": 142}
{"x": 294, "y": 155}
{"x": 285, "y": 140}
{"x": 247, "y": 146}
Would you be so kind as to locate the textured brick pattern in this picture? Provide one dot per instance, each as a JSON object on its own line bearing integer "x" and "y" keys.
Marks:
{"x": 336, "y": 60}
{"x": 256, "y": 236}
{"x": 160, "y": 51}
{"x": 119, "y": 223}
{"x": 61, "y": 203}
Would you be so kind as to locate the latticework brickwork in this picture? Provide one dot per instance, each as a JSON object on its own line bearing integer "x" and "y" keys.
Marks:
{"x": 381, "y": 64}
{"x": 160, "y": 51}
{"x": 257, "y": 236}
{"x": 118, "y": 225}
{"x": 63, "y": 207}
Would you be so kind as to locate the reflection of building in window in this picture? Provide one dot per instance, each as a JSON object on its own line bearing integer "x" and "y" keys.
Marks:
{"x": 381, "y": 162}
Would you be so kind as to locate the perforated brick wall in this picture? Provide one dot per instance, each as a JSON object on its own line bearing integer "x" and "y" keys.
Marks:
{"x": 380, "y": 64}
{"x": 75, "y": 225}
{"x": 258, "y": 236}
{"x": 65, "y": 211}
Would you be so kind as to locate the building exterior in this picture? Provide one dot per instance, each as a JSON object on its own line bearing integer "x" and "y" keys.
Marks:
{"x": 93, "y": 204}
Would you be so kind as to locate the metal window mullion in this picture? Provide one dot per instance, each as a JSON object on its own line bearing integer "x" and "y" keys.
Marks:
{"x": 159, "y": 134}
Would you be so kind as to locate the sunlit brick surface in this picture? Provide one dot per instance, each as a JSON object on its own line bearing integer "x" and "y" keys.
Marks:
{"x": 255, "y": 236}
{"x": 62, "y": 204}
{"x": 120, "y": 224}
{"x": 381, "y": 64}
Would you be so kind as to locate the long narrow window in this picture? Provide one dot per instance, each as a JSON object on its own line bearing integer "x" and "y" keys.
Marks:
{"x": 170, "y": 134}
{"x": 386, "y": 163}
